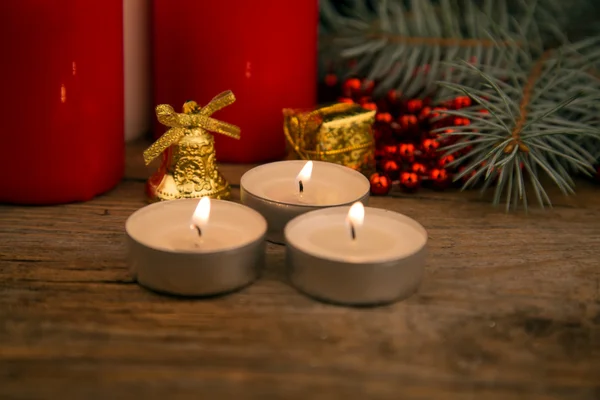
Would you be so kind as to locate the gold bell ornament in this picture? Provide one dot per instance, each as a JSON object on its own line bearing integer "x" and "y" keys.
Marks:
{"x": 189, "y": 167}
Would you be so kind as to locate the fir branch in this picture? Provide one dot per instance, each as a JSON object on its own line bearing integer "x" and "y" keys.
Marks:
{"x": 395, "y": 41}
{"x": 390, "y": 41}
{"x": 533, "y": 131}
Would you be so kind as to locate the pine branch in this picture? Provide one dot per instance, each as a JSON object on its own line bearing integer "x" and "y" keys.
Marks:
{"x": 538, "y": 130}
{"x": 404, "y": 48}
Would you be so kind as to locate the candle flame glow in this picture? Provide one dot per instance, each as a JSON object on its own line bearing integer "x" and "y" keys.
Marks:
{"x": 304, "y": 176}
{"x": 305, "y": 172}
{"x": 356, "y": 217}
{"x": 201, "y": 214}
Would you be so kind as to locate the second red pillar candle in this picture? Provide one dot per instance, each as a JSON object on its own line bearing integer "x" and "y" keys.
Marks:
{"x": 265, "y": 51}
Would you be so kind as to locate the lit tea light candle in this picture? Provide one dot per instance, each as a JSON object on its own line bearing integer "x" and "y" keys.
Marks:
{"x": 376, "y": 256}
{"x": 194, "y": 248}
{"x": 280, "y": 191}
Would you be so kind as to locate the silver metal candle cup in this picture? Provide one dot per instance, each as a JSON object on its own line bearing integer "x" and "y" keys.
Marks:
{"x": 358, "y": 284}
{"x": 190, "y": 272}
{"x": 279, "y": 213}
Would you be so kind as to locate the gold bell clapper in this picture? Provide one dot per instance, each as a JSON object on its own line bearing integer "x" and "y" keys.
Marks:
{"x": 189, "y": 166}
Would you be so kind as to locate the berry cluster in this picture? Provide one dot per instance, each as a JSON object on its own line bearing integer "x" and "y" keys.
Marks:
{"x": 408, "y": 135}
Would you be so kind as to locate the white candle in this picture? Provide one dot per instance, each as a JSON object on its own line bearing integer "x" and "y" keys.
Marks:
{"x": 191, "y": 247}
{"x": 304, "y": 190}
{"x": 202, "y": 236}
{"x": 136, "y": 43}
{"x": 274, "y": 190}
{"x": 217, "y": 238}
{"x": 383, "y": 235}
{"x": 324, "y": 183}
{"x": 383, "y": 261}
{"x": 171, "y": 226}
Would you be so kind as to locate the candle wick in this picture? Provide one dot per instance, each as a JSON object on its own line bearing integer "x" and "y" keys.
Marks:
{"x": 198, "y": 230}
{"x": 352, "y": 231}
{"x": 301, "y": 187}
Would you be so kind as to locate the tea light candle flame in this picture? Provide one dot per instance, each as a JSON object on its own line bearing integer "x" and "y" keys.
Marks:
{"x": 304, "y": 175}
{"x": 201, "y": 214}
{"x": 356, "y": 216}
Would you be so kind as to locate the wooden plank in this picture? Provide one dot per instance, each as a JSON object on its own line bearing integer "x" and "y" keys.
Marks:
{"x": 509, "y": 308}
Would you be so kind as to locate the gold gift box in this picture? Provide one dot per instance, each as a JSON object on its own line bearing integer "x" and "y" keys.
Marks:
{"x": 340, "y": 133}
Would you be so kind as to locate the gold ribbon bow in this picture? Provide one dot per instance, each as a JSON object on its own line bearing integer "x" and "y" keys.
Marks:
{"x": 199, "y": 119}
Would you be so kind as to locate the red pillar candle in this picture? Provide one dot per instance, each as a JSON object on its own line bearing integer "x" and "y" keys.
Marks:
{"x": 265, "y": 51}
{"x": 62, "y": 122}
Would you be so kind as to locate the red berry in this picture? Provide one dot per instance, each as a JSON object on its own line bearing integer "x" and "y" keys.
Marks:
{"x": 369, "y": 106}
{"x": 430, "y": 146}
{"x": 461, "y": 121}
{"x": 391, "y": 169}
{"x": 331, "y": 79}
{"x": 446, "y": 137}
{"x": 407, "y": 151}
{"x": 351, "y": 87}
{"x": 461, "y": 102}
{"x": 409, "y": 181}
{"x": 408, "y": 122}
{"x": 439, "y": 177}
{"x": 425, "y": 113}
{"x": 393, "y": 95}
{"x": 439, "y": 118}
{"x": 445, "y": 160}
{"x": 384, "y": 117}
{"x": 414, "y": 106}
{"x": 367, "y": 87}
{"x": 419, "y": 169}
{"x": 390, "y": 151}
{"x": 380, "y": 184}
{"x": 439, "y": 112}
{"x": 345, "y": 100}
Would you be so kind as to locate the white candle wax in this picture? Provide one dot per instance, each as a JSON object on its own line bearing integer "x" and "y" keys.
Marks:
{"x": 329, "y": 184}
{"x": 384, "y": 236}
{"x": 315, "y": 192}
{"x": 215, "y": 237}
{"x": 167, "y": 226}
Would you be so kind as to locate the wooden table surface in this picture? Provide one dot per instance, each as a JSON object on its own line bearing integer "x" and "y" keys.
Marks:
{"x": 509, "y": 309}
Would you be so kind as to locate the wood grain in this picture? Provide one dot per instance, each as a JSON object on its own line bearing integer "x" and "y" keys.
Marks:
{"x": 509, "y": 309}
